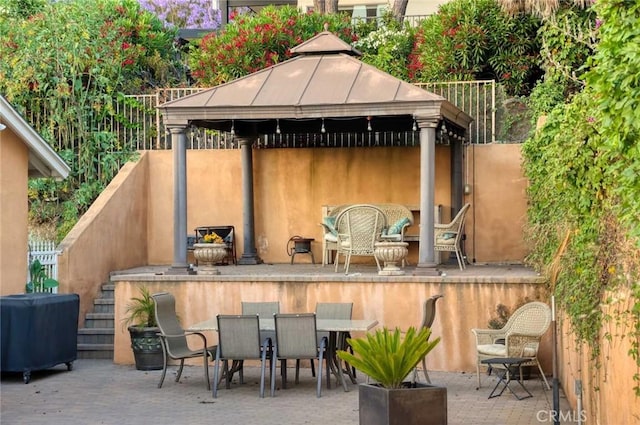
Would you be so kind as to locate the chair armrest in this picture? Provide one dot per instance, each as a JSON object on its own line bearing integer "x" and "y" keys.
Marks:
{"x": 487, "y": 336}
{"x": 325, "y": 228}
{"x": 517, "y": 343}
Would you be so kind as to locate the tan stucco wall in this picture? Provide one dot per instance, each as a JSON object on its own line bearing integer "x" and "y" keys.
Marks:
{"x": 112, "y": 235}
{"x": 466, "y": 304}
{"x": 290, "y": 188}
{"x": 608, "y": 395}
{"x": 14, "y": 170}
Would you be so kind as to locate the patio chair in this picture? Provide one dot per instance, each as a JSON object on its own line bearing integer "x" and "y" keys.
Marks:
{"x": 265, "y": 309}
{"x": 359, "y": 227}
{"x": 296, "y": 338}
{"x": 334, "y": 311}
{"x": 447, "y": 237}
{"x": 521, "y": 335}
{"x": 239, "y": 339}
{"x": 428, "y": 316}
{"x": 174, "y": 339}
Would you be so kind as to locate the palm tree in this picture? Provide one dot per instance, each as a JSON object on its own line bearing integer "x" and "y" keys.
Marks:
{"x": 542, "y": 8}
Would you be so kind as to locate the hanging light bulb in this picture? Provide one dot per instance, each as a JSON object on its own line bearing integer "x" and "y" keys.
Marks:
{"x": 368, "y": 123}
{"x": 322, "y": 129}
{"x": 415, "y": 125}
{"x": 233, "y": 129}
{"x": 278, "y": 126}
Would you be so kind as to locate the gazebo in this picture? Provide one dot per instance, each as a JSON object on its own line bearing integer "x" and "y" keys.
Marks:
{"x": 325, "y": 88}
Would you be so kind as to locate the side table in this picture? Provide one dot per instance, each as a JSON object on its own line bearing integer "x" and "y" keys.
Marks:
{"x": 506, "y": 367}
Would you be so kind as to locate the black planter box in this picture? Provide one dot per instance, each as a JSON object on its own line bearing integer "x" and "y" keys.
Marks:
{"x": 38, "y": 331}
{"x": 421, "y": 404}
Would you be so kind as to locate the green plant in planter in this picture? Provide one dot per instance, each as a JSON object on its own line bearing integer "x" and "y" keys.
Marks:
{"x": 143, "y": 329}
{"x": 387, "y": 357}
{"x": 141, "y": 310}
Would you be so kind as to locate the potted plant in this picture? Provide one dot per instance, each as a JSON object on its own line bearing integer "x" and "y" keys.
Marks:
{"x": 143, "y": 329}
{"x": 209, "y": 252}
{"x": 388, "y": 358}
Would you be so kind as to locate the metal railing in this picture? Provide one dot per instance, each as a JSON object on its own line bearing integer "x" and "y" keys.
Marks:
{"x": 139, "y": 124}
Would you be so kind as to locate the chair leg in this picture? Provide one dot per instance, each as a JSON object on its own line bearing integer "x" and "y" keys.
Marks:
{"x": 297, "y": 381}
{"x": 274, "y": 363}
{"x": 544, "y": 378}
{"x": 313, "y": 368}
{"x": 460, "y": 259}
{"x": 216, "y": 376}
{"x": 179, "y": 374}
{"x": 206, "y": 369}
{"x": 424, "y": 371}
{"x": 478, "y": 373}
{"x": 347, "y": 262}
{"x": 263, "y": 363}
{"x": 319, "y": 383}
{"x": 165, "y": 364}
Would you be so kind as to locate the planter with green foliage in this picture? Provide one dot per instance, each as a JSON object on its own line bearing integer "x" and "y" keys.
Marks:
{"x": 388, "y": 357}
{"x": 143, "y": 329}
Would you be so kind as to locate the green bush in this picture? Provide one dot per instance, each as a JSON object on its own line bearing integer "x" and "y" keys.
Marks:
{"x": 469, "y": 39}
{"x": 253, "y": 42}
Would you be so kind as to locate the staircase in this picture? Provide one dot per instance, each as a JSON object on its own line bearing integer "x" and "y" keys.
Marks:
{"x": 95, "y": 340}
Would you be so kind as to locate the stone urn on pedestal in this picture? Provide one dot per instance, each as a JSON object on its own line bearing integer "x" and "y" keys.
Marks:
{"x": 390, "y": 254}
{"x": 209, "y": 253}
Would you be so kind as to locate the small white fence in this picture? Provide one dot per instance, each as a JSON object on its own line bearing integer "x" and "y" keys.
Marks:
{"x": 46, "y": 253}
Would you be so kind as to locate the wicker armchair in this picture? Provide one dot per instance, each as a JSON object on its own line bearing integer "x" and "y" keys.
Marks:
{"x": 447, "y": 237}
{"x": 359, "y": 228}
{"x": 521, "y": 335}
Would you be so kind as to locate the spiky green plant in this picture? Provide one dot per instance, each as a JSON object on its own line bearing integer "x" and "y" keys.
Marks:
{"x": 388, "y": 357}
{"x": 141, "y": 310}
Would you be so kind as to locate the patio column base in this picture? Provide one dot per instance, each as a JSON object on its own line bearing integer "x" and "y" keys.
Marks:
{"x": 185, "y": 269}
{"x": 426, "y": 269}
{"x": 249, "y": 260}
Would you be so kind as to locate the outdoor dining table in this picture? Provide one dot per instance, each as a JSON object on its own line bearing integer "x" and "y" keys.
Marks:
{"x": 333, "y": 326}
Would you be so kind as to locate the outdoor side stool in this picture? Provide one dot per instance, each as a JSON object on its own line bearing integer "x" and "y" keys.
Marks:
{"x": 506, "y": 368}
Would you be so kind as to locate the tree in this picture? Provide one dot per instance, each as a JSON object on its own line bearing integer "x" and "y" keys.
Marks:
{"x": 540, "y": 8}
{"x": 325, "y": 7}
{"x": 399, "y": 9}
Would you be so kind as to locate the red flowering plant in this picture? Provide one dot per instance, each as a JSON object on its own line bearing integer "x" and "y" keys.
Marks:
{"x": 476, "y": 39}
{"x": 251, "y": 42}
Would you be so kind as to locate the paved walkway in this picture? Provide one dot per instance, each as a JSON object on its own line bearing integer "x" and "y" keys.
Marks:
{"x": 99, "y": 392}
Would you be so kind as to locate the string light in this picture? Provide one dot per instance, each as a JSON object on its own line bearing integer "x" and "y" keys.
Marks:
{"x": 369, "y": 123}
{"x": 322, "y": 129}
{"x": 233, "y": 129}
{"x": 415, "y": 125}
{"x": 278, "y": 126}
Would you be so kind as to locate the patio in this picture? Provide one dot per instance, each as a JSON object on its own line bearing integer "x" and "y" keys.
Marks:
{"x": 98, "y": 391}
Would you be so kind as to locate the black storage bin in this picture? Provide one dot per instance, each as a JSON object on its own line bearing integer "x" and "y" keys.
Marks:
{"x": 38, "y": 331}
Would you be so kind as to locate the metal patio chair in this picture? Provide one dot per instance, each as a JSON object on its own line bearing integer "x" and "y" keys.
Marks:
{"x": 174, "y": 338}
{"x": 239, "y": 339}
{"x": 296, "y": 338}
{"x": 428, "y": 317}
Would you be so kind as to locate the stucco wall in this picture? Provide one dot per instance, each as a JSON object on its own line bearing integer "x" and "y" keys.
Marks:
{"x": 111, "y": 235}
{"x": 14, "y": 170}
{"x": 290, "y": 188}
{"x": 467, "y": 303}
{"x": 608, "y": 395}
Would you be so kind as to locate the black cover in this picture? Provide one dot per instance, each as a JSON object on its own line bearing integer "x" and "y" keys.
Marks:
{"x": 38, "y": 331}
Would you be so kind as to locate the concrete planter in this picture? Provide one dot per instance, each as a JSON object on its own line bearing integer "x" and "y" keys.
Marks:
{"x": 417, "y": 404}
{"x": 208, "y": 255}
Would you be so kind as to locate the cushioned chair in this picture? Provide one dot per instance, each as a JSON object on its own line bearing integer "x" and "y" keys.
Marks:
{"x": 447, "y": 237}
{"x": 428, "y": 316}
{"x": 359, "y": 228}
{"x": 239, "y": 339}
{"x": 521, "y": 335}
{"x": 296, "y": 338}
{"x": 174, "y": 339}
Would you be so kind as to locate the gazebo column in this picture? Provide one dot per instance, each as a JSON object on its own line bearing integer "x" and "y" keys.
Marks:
{"x": 179, "y": 147}
{"x": 250, "y": 254}
{"x": 426, "y": 254}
